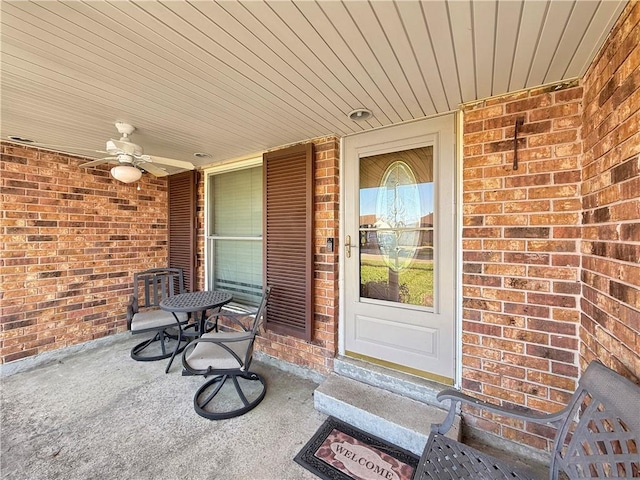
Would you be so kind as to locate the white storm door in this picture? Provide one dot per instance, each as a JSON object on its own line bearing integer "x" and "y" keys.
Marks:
{"x": 400, "y": 247}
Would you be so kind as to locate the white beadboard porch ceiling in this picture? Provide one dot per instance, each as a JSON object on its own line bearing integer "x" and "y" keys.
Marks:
{"x": 234, "y": 78}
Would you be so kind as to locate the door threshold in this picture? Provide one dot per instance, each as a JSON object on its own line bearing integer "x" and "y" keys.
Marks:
{"x": 405, "y": 384}
{"x": 401, "y": 368}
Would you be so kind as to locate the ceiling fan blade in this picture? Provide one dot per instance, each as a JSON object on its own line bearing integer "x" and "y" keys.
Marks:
{"x": 168, "y": 161}
{"x": 115, "y": 147}
{"x": 100, "y": 161}
{"x": 154, "y": 169}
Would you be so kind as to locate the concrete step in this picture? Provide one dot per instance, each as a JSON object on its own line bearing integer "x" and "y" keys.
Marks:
{"x": 410, "y": 386}
{"x": 398, "y": 419}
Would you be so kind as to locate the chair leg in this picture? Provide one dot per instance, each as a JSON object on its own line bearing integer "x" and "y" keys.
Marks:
{"x": 179, "y": 348}
{"x": 161, "y": 336}
{"x": 141, "y": 346}
{"x": 202, "y": 399}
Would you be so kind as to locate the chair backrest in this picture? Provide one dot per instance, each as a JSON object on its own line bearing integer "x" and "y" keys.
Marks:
{"x": 151, "y": 286}
{"x": 600, "y": 437}
{"x": 257, "y": 322}
{"x": 260, "y": 313}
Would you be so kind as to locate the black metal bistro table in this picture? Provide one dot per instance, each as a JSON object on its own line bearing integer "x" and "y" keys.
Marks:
{"x": 196, "y": 303}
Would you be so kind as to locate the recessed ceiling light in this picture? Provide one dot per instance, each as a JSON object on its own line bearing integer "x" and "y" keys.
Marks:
{"x": 17, "y": 138}
{"x": 360, "y": 114}
{"x": 202, "y": 155}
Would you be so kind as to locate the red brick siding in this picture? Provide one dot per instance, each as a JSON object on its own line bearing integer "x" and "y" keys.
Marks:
{"x": 70, "y": 248}
{"x": 610, "y": 322}
{"x": 562, "y": 229}
{"x": 521, "y": 257}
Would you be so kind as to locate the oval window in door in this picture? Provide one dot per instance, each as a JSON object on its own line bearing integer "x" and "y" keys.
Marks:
{"x": 398, "y": 216}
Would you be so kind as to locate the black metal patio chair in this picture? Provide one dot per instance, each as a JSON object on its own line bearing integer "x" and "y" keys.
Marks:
{"x": 145, "y": 316}
{"x": 597, "y": 436}
{"x": 227, "y": 356}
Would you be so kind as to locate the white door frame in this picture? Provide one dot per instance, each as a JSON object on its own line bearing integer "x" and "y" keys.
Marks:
{"x": 458, "y": 121}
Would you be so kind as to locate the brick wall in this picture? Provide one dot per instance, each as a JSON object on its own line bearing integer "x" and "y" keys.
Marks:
{"x": 611, "y": 187}
{"x": 69, "y": 249}
{"x": 521, "y": 257}
{"x": 552, "y": 250}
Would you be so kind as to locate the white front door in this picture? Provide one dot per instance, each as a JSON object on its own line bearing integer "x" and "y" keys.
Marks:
{"x": 400, "y": 247}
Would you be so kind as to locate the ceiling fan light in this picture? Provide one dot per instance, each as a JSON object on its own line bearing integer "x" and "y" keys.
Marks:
{"x": 126, "y": 173}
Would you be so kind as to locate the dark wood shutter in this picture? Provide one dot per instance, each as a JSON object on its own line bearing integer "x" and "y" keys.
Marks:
{"x": 288, "y": 239}
{"x": 182, "y": 225}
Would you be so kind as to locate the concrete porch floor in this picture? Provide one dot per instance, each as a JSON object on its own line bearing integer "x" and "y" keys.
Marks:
{"x": 92, "y": 412}
{"x": 99, "y": 414}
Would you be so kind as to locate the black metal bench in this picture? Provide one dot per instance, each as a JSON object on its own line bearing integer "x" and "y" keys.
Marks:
{"x": 598, "y": 435}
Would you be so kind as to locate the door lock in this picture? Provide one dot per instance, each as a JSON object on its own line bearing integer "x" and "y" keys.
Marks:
{"x": 347, "y": 246}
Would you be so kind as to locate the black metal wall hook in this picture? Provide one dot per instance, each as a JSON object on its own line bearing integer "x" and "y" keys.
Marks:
{"x": 519, "y": 123}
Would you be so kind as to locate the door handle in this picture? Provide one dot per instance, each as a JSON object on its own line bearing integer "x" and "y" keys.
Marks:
{"x": 347, "y": 246}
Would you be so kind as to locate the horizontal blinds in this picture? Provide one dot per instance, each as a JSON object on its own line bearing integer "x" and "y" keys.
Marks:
{"x": 236, "y": 230}
{"x": 237, "y": 203}
{"x": 288, "y": 239}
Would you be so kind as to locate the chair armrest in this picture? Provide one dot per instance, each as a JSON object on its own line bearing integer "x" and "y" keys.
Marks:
{"x": 212, "y": 321}
{"x": 132, "y": 309}
{"x": 457, "y": 398}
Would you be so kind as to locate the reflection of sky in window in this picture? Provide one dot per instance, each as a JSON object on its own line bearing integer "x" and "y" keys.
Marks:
{"x": 369, "y": 196}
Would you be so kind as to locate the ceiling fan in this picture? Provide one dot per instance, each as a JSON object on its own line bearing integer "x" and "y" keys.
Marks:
{"x": 131, "y": 160}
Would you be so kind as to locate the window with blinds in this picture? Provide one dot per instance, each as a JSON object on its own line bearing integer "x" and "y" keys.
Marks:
{"x": 234, "y": 238}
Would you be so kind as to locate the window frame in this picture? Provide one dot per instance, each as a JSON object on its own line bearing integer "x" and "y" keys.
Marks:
{"x": 220, "y": 168}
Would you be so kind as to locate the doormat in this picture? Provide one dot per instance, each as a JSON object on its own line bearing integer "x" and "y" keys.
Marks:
{"x": 339, "y": 451}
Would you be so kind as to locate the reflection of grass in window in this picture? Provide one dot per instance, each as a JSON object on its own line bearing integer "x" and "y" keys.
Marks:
{"x": 418, "y": 279}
